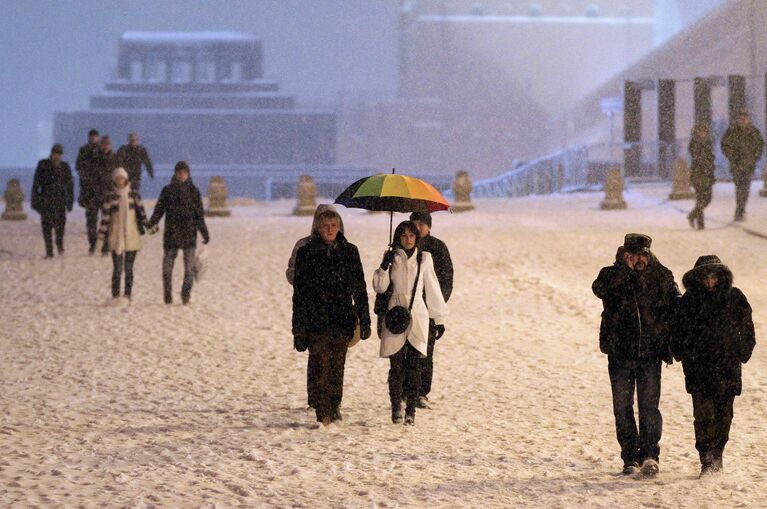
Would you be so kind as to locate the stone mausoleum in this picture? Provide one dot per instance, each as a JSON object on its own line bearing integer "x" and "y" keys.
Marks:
{"x": 202, "y": 97}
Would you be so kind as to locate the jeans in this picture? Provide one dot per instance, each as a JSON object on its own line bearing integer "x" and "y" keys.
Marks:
{"x": 118, "y": 261}
{"x": 742, "y": 189}
{"x": 168, "y": 260}
{"x": 328, "y": 354}
{"x": 53, "y": 221}
{"x": 405, "y": 378}
{"x": 644, "y": 375}
{"x": 713, "y": 417}
{"x": 92, "y": 225}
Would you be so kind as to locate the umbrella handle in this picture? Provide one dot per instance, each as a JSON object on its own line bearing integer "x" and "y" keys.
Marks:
{"x": 391, "y": 221}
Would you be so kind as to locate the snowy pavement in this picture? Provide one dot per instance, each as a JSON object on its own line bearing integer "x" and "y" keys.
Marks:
{"x": 205, "y": 405}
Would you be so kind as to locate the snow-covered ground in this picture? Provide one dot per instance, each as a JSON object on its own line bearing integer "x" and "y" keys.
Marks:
{"x": 205, "y": 405}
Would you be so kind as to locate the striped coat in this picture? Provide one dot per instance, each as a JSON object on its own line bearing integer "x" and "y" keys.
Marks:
{"x": 136, "y": 221}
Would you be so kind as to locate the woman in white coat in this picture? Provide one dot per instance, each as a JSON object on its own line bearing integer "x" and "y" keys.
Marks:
{"x": 123, "y": 221}
{"x": 409, "y": 267}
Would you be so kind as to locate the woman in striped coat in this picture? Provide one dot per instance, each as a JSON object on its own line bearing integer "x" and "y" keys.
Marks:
{"x": 122, "y": 224}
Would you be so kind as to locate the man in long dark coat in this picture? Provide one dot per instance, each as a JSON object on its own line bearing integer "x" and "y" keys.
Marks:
{"x": 713, "y": 336}
{"x": 52, "y": 196}
{"x": 91, "y": 195}
{"x": 639, "y": 296}
{"x": 329, "y": 298}
{"x": 443, "y": 266}
{"x": 742, "y": 144}
{"x": 131, "y": 157}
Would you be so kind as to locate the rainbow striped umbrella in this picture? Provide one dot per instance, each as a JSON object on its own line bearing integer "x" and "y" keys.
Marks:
{"x": 393, "y": 193}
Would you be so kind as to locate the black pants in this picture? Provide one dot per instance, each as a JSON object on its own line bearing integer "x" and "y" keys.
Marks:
{"x": 644, "y": 375}
{"x": 168, "y": 260}
{"x": 53, "y": 221}
{"x": 742, "y": 189}
{"x": 713, "y": 417}
{"x": 311, "y": 381}
{"x": 427, "y": 363}
{"x": 702, "y": 200}
{"x": 405, "y": 377}
{"x": 328, "y": 354}
{"x": 118, "y": 261}
{"x": 92, "y": 226}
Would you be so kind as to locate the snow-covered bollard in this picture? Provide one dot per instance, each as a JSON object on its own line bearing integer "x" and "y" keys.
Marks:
{"x": 307, "y": 196}
{"x": 680, "y": 189}
{"x": 763, "y": 190}
{"x": 462, "y": 192}
{"x": 613, "y": 191}
{"x": 217, "y": 194}
{"x": 14, "y": 202}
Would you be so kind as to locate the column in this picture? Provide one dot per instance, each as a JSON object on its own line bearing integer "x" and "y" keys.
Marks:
{"x": 666, "y": 127}
{"x": 632, "y": 129}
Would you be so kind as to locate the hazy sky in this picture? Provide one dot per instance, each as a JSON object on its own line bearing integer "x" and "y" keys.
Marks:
{"x": 55, "y": 53}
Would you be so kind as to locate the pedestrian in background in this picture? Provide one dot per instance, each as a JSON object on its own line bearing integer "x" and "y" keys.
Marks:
{"x": 131, "y": 157}
{"x": 90, "y": 197}
{"x": 742, "y": 144}
{"x": 52, "y": 196}
{"x": 702, "y": 176}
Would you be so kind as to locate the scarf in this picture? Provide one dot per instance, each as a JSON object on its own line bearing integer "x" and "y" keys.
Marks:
{"x": 121, "y": 220}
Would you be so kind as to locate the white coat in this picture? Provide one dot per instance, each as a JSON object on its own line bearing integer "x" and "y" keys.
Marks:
{"x": 402, "y": 273}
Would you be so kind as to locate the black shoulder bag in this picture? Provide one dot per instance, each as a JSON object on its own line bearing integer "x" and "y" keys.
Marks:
{"x": 398, "y": 318}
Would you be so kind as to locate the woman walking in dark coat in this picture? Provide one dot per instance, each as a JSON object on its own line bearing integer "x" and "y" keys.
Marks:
{"x": 702, "y": 177}
{"x": 181, "y": 204}
{"x": 713, "y": 336}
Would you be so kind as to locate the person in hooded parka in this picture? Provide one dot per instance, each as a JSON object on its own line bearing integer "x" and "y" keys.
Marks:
{"x": 713, "y": 337}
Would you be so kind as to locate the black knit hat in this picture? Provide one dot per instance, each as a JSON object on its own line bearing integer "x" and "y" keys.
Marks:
{"x": 637, "y": 243}
{"x": 181, "y": 165}
{"x": 423, "y": 217}
{"x": 57, "y": 149}
{"x": 93, "y": 132}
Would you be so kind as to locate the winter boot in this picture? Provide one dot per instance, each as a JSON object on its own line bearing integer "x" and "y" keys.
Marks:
{"x": 630, "y": 468}
{"x": 691, "y": 220}
{"x": 396, "y": 416}
{"x": 409, "y": 419}
{"x": 422, "y": 402}
{"x": 650, "y": 467}
{"x": 701, "y": 224}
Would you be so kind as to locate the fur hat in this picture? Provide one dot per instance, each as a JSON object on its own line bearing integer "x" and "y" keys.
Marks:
{"x": 119, "y": 172}
{"x": 637, "y": 243}
{"x": 707, "y": 264}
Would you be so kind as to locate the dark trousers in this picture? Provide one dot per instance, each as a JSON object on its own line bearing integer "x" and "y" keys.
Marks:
{"x": 311, "y": 381}
{"x": 427, "y": 363}
{"x": 702, "y": 200}
{"x": 92, "y": 226}
{"x": 644, "y": 375}
{"x": 118, "y": 262}
{"x": 328, "y": 354}
{"x": 405, "y": 377}
{"x": 713, "y": 417}
{"x": 168, "y": 260}
{"x": 742, "y": 180}
{"x": 53, "y": 221}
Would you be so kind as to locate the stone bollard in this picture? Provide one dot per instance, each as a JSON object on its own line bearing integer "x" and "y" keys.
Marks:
{"x": 14, "y": 202}
{"x": 217, "y": 194}
{"x": 613, "y": 191}
{"x": 307, "y": 196}
{"x": 462, "y": 192}
{"x": 680, "y": 189}
{"x": 763, "y": 190}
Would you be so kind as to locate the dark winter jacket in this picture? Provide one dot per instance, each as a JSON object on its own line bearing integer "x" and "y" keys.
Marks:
{"x": 87, "y": 167}
{"x": 702, "y": 175}
{"x": 52, "y": 189}
{"x": 443, "y": 265}
{"x": 329, "y": 293}
{"x": 181, "y": 204}
{"x": 713, "y": 335}
{"x": 638, "y": 310}
{"x": 743, "y": 147}
{"x": 131, "y": 158}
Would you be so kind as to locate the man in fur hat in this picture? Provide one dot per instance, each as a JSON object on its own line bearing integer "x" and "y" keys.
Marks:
{"x": 639, "y": 296}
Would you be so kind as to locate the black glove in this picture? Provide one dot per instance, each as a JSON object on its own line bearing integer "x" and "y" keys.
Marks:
{"x": 439, "y": 331}
{"x": 388, "y": 259}
{"x": 300, "y": 341}
{"x": 205, "y": 240}
{"x": 364, "y": 331}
